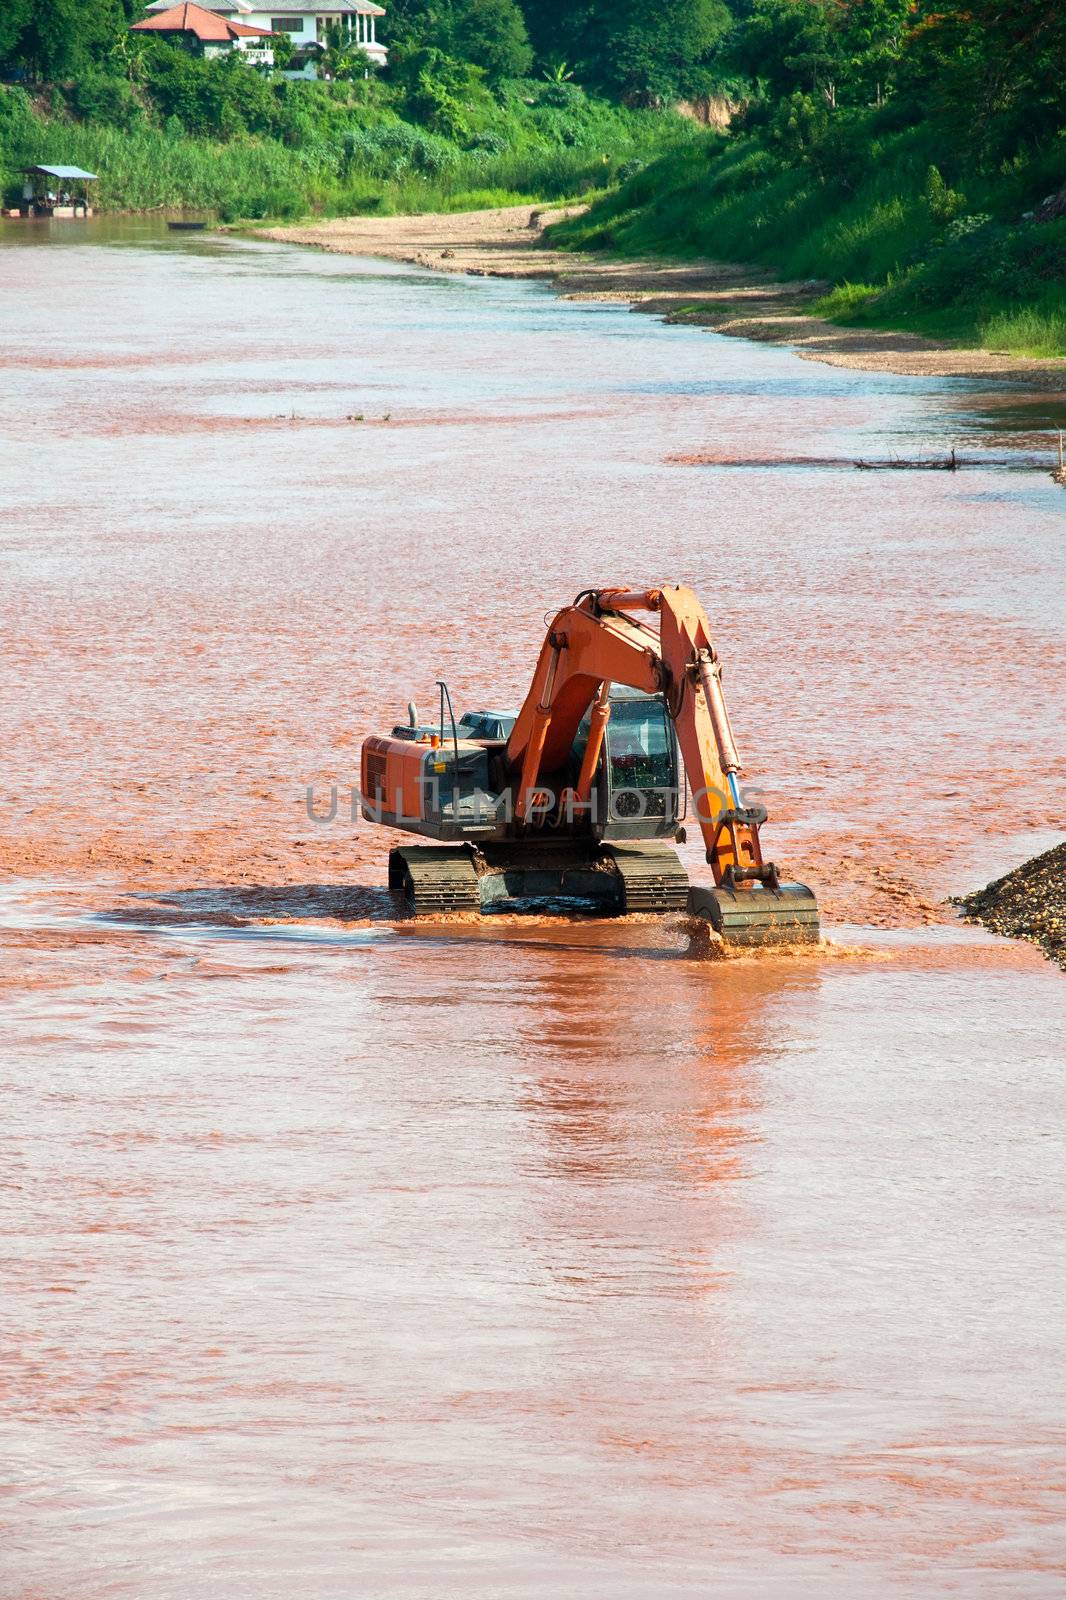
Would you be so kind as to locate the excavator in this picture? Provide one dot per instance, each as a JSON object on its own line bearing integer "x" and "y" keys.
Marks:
{"x": 571, "y": 800}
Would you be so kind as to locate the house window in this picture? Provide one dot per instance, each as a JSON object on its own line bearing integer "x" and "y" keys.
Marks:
{"x": 287, "y": 24}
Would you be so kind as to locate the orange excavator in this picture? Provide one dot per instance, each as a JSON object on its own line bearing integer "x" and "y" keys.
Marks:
{"x": 568, "y": 802}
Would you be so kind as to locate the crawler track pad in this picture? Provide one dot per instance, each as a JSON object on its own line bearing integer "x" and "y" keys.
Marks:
{"x": 757, "y": 915}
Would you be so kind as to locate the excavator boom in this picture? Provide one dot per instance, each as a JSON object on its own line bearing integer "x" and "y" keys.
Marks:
{"x": 597, "y": 640}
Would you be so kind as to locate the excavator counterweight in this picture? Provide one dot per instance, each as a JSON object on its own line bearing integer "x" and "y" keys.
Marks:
{"x": 572, "y": 800}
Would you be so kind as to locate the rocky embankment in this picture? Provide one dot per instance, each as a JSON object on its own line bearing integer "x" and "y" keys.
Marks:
{"x": 1028, "y": 903}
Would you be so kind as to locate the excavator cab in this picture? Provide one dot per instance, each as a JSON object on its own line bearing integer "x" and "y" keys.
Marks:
{"x": 639, "y": 786}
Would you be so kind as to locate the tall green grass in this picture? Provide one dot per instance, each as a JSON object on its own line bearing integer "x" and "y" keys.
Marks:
{"x": 844, "y": 300}
{"x": 735, "y": 201}
{"x": 147, "y": 167}
{"x": 861, "y": 216}
{"x": 1029, "y": 331}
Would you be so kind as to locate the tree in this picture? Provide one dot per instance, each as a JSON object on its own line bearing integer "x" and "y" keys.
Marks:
{"x": 798, "y": 126}
{"x": 643, "y": 52}
{"x": 656, "y": 55}
{"x": 14, "y": 19}
{"x": 790, "y": 46}
{"x": 343, "y": 59}
{"x": 994, "y": 70}
{"x": 491, "y": 34}
{"x": 53, "y": 41}
{"x": 872, "y": 35}
{"x": 446, "y": 95}
{"x": 217, "y": 99}
{"x": 554, "y": 29}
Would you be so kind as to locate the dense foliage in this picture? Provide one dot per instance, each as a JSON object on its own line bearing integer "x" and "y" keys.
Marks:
{"x": 489, "y": 33}
{"x": 904, "y": 150}
{"x": 645, "y": 51}
{"x": 451, "y": 123}
{"x": 910, "y": 152}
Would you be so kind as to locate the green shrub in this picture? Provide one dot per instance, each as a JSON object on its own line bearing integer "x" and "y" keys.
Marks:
{"x": 98, "y": 97}
{"x": 1034, "y": 331}
{"x": 864, "y": 207}
{"x": 396, "y": 149}
{"x": 559, "y": 93}
{"x": 216, "y": 98}
{"x": 283, "y": 200}
{"x": 943, "y": 203}
{"x": 843, "y": 301}
{"x": 798, "y": 125}
{"x": 18, "y": 125}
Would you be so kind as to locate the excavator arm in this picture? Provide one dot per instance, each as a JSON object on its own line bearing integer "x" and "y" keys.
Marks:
{"x": 596, "y": 642}
{"x": 601, "y": 639}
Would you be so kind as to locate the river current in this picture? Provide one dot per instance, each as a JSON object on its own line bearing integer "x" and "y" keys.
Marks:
{"x": 349, "y": 1256}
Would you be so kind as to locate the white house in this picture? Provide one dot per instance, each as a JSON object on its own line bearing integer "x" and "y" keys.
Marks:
{"x": 208, "y": 33}
{"x": 306, "y": 22}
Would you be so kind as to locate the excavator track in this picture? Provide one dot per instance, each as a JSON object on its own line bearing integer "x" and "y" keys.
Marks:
{"x": 437, "y": 879}
{"x": 653, "y": 878}
{"x": 434, "y": 879}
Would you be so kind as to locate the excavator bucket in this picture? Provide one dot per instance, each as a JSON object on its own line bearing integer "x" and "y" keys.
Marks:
{"x": 757, "y": 915}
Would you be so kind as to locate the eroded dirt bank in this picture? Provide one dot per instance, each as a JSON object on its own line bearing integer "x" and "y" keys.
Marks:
{"x": 737, "y": 300}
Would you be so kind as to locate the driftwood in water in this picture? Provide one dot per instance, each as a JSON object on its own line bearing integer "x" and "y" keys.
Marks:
{"x": 1016, "y": 461}
{"x": 950, "y": 463}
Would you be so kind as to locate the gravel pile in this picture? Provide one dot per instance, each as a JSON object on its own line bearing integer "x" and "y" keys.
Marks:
{"x": 1029, "y": 903}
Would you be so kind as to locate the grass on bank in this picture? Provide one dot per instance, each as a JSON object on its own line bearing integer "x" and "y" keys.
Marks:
{"x": 355, "y": 161}
{"x": 1032, "y": 330}
{"x": 148, "y": 169}
{"x": 1028, "y": 331}
{"x": 872, "y": 215}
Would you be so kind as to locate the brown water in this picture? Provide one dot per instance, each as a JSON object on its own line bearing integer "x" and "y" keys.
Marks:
{"x": 345, "y": 1256}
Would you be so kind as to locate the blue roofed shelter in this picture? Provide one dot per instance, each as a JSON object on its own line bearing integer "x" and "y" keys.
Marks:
{"x": 56, "y": 192}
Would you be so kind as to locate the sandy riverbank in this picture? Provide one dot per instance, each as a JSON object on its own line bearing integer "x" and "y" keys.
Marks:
{"x": 740, "y": 300}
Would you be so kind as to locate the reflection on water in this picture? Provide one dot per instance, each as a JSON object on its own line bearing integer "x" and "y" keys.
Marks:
{"x": 348, "y": 1255}
{"x": 489, "y": 1255}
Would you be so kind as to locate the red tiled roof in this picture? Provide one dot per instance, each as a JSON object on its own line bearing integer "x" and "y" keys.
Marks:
{"x": 205, "y": 25}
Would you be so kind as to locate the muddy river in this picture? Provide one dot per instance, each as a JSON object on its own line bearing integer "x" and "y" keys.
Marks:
{"x": 344, "y": 1256}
